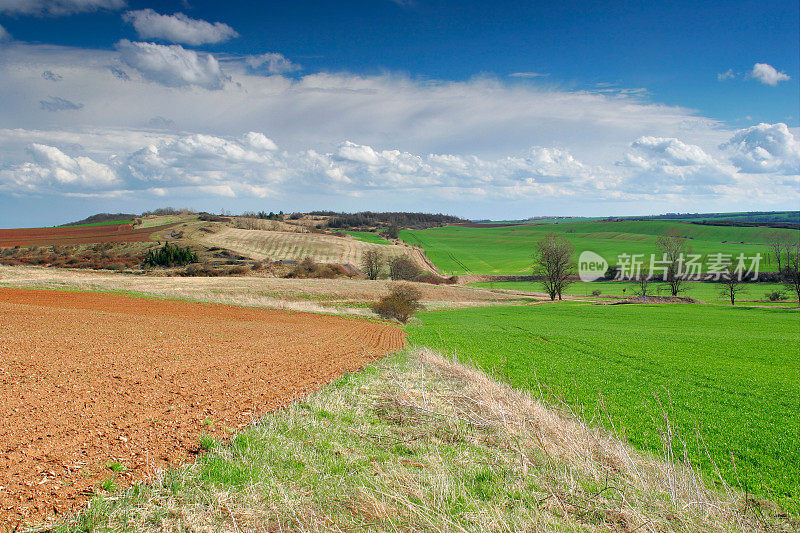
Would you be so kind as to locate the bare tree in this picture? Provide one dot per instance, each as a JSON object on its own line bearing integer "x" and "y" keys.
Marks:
{"x": 673, "y": 249}
{"x": 791, "y": 272}
{"x": 403, "y": 268}
{"x": 776, "y": 248}
{"x": 643, "y": 282}
{"x": 372, "y": 264}
{"x": 553, "y": 262}
{"x": 731, "y": 284}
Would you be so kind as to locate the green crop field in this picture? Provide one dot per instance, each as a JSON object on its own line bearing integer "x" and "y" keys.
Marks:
{"x": 104, "y": 223}
{"x": 707, "y": 292}
{"x": 508, "y": 250}
{"x": 367, "y": 236}
{"x": 727, "y": 378}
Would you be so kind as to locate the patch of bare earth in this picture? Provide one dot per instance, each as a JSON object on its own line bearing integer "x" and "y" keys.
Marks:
{"x": 89, "y": 379}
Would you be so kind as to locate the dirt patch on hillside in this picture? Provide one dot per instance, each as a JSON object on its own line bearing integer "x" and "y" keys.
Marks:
{"x": 93, "y": 379}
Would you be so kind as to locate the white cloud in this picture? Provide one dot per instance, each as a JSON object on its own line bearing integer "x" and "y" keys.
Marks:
{"x": 727, "y": 75}
{"x": 767, "y": 74}
{"x": 178, "y": 28}
{"x": 52, "y": 167}
{"x": 4, "y": 35}
{"x": 765, "y": 148}
{"x": 172, "y": 65}
{"x": 272, "y": 63}
{"x": 668, "y": 165}
{"x": 57, "y": 7}
{"x": 528, "y": 75}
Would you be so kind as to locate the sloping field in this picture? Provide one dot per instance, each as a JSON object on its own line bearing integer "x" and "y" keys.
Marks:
{"x": 726, "y": 378}
{"x": 76, "y": 235}
{"x": 97, "y": 383}
{"x": 277, "y": 245}
{"x": 509, "y": 250}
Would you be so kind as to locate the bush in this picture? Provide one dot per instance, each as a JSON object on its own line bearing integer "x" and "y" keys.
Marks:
{"x": 596, "y": 292}
{"x": 775, "y": 296}
{"x": 170, "y": 255}
{"x": 400, "y": 304}
{"x": 308, "y": 268}
{"x": 403, "y": 268}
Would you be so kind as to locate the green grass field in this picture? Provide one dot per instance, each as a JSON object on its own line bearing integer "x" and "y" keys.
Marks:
{"x": 105, "y": 223}
{"x": 367, "y": 236}
{"x": 508, "y": 250}
{"x": 707, "y": 292}
{"x": 728, "y": 378}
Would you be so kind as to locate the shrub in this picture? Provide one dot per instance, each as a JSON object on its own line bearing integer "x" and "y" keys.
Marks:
{"x": 400, "y": 304}
{"x": 170, "y": 255}
{"x": 775, "y": 296}
{"x": 309, "y": 268}
{"x": 403, "y": 268}
{"x": 596, "y": 292}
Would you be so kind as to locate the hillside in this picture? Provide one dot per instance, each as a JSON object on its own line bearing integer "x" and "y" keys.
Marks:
{"x": 508, "y": 250}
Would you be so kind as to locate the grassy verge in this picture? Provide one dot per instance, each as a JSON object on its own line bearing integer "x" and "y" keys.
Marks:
{"x": 698, "y": 291}
{"x": 418, "y": 443}
{"x": 728, "y": 377}
{"x": 367, "y": 236}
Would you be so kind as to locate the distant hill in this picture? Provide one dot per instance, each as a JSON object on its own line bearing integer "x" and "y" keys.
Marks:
{"x": 103, "y": 218}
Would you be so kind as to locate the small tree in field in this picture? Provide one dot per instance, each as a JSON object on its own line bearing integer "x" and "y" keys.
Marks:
{"x": 791, "y": 272}
{"x": 731, "y": 284}
{"x": 643, "y": 283}
{"x": 403, "y": 268}
{"x": 372, "y": 264}
{"x": 553, "y": 263}
{"x": 673, "y": 248}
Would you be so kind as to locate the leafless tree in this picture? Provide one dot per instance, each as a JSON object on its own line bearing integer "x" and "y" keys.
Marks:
{"x": 643, "y": 282}
{"x": 553, "y": 263}
{"x": 777, "y": 244}
{"x": 372, "y": 264}
{"x": 403, "y": 268}
{"x": 731, "y": 284}
{"x": 673, "y": 250}
{"x": 791, "y": 272}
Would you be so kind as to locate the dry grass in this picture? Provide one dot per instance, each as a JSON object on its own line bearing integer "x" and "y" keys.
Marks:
{"x": 420, "y": 443}
{"x": 340, "y": 296}
{"x": 296, "y": 246}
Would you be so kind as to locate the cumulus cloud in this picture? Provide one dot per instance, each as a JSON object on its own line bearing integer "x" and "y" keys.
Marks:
{"x": 178, "y": 28}
{"x": 56, "y": 103}
{"x": 57, "y": 8}
{"x": 52, "y": 167}
{"x": 4, "y": 35}
{"x": 767, "y": 74}
{"x": 765, "y": 148}
{"x": 172, "y": 65}
{"x": 52, "y": 76}
{"x": 660, "y": 164}
{"x": 272, "y": 63}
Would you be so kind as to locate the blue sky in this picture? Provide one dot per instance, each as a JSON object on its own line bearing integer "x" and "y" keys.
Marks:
{"x": 507, "y": 109}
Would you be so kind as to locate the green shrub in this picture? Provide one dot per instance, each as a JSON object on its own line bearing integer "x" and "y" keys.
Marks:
{"x": 170, "y": 255}
{"x": 775, "y": 296}
{"x": 596, "y": 292}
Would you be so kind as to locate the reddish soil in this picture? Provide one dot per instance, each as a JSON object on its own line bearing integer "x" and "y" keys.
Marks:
{"x": 90, "y": 378}
{"x": 85, "y": 235}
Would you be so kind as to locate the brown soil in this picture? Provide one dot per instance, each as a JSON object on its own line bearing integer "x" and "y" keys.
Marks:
{"x": 84, "y": 235}
{"x": 90, "y": 378}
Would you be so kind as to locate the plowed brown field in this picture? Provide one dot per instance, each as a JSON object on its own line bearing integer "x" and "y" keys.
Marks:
{"x": 84, "y": 235}
{"x": 90, "y": 378}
